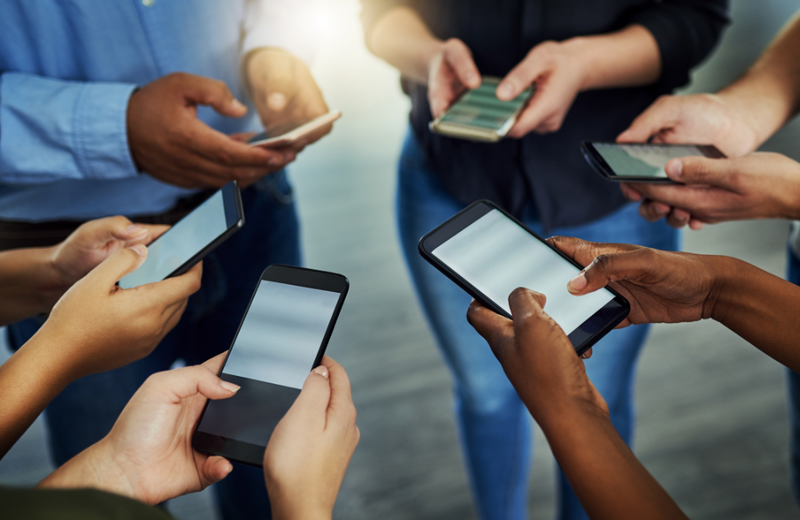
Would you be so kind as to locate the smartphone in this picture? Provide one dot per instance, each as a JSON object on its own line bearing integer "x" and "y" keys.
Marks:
{"x": 640, "y": 162}
{"x": 191, "y": 239}
{"x": 282, "y": 337}
{"x": 479, "y": 116}
{"x": 286, "y": 134}
{"x": 489, "y": 253}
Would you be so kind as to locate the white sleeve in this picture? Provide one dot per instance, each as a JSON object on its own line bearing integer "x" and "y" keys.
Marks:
{"x": 287, "y": 24}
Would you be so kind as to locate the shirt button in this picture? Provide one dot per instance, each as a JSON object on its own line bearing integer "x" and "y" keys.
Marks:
{"x": 148, "y": 3}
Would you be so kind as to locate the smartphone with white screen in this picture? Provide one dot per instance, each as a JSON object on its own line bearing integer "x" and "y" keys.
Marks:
{"x": 488, "y": 253}
{"x": 286, "y": 134}
{"x": 191, "y": 239}
{"x": 479, "y": 116}
{"x": 282, "y": 337}
{"x": 640, "y": 162}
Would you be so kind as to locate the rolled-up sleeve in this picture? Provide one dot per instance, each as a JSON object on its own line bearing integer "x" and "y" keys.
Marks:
{"x": 373, "y": 10}
{"x": 53, "y": 129}
{"x": 686, "y": 32}
{"x": 289, "y": 25}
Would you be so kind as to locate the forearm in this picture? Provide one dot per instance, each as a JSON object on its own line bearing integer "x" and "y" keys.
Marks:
{"x": 402, "y": 39}
{"x": 92, "y": 468}
{"x": 761, "y": 308}
{"x": 30, "y": 283}
{"x": 29, "y": 380}
{"x": 609, "y": 480}
{"x": 626, "y": 58}
{"x": 768, "y": 95}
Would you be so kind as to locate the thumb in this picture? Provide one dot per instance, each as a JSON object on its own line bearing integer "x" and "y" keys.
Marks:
{"x": 214, "y": 93}
{"x": 312, "y": 403}
{"x": 124, "y": 261}
{"x": 699, "y": 170}
{"x": 215, "y": 469}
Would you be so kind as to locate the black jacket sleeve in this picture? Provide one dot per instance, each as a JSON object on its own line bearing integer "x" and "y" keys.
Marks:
{"x": 686, "y": 32}
{"x": 373, "y": 10}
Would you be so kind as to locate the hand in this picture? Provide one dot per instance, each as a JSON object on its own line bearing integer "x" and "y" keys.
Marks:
{"x": 694, "y": 119}
{"x": 310, "y": 449}
{"x": 168, "y": 142}
{"x": 95, "y": 241}
{"x": 537, "y": 356}
{"x": 100, "y": 326}
{"x": 558, "y": 73}
{"x": 450, "y": 73}
{"x": 760, "y": 185}
{"x": 284, "y": 91}
{"x": 148, "y": 454}
{"x": 661, "y": 286}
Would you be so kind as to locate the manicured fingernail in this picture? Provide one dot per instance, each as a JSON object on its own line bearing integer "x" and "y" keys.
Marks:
{"x": 578, "y": 283}
{"x": 276, "y": 101}
{"x": 238, "y": 104}
{"x": 321, "y": 371}
{"x": 230, "y": 387}
{"x": 674, "y": 169}
{"x": 134, "y": 230}
{"x": 140, "y": 249}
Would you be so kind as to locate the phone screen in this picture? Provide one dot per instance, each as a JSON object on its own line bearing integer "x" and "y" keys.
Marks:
{"x": 274, "y": 350}
{"x": 643, "y": 160}
{"x": 181, "y": 242}
{"x": 480, "y": 107}
{"x": 496, "y": 256}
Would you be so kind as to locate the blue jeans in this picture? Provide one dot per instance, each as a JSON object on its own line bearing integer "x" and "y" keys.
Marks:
{"x": 494, "y": 426}
{"x": 793, "y": 275}
{"x": 86, "y": 410}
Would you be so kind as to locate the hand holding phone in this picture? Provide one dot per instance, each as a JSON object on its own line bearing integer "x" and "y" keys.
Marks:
{"x": 282, "y": 337}
{"x": 488, "y": 253}
{"x": 192, "y": 238}
{"x": 294, "y": 132}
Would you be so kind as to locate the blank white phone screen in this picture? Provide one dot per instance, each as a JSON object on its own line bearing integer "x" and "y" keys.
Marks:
{"x": 496, "y": 256}
{"x": 180, "y": 243}
{"x": 643, "y": 160}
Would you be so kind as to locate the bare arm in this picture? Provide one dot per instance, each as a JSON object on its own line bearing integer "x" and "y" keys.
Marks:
{"x": 31, "y": 284}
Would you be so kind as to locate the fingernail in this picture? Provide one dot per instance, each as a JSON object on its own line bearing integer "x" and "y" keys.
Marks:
{"x": 321, "y": 371}
{"x": 505, "y": 91}
{"x": 661, "y": 211}
{"x": 134, "y": 230}
{"x": 470, "y": 77}
{"x": 578, "y": 283}
{"x": 140, "y": 249}
{"x": 238, "y": 104}
{"x": 674, "y": 169}
{"x": 276, "y": 101}
{"x": 230, "y": 387}
{"x": 229, "y": 468}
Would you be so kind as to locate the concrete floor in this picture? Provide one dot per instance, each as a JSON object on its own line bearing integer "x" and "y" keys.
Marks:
{"x": 712, "y": 418}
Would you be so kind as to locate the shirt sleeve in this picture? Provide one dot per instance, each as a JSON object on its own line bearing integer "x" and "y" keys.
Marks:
{"x": 289, "y": 25}
{"x": 686, "y": 32}
{"x": 53, "y": 129}
{"x": 373, "y": 10}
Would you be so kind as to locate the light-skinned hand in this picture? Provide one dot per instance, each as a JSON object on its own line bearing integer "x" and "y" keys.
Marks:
{"x": 100, "y": 326}
{"x": 759, "y": 185}
{"x": 170, "y": 143}
{"x": 310, "y": 449}
{"x": 285, "y": 93}
{"x": 148, "y": 454}
{"x": 537, "y": 357}
{"x": 451, "y": 71}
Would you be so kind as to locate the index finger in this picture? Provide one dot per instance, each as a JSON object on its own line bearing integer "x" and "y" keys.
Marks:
{"x": 223, "y": 150}
{"x": 685, "y": 197}
{"x": 341, "y": 409}
{"x": 658, "y": 117}
{"x": 585, "y": 252}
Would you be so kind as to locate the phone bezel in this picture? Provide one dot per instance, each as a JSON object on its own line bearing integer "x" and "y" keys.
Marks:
{"x": 600, "y": 165}
{"x": 246, "y": 452}
{"x": 477, "y": 133}
{"x": 234, "y": 221}
{"x": 612, "y": 315}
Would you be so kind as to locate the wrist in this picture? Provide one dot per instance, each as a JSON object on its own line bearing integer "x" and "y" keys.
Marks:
{"x": 92, "y": 468}
{"x": 431, "y": 54}
{"x": 567, "y": 416}
{"x": 579, "y": 53}
{"x": 286, "y": 506}
{"x": 728, "y": 277}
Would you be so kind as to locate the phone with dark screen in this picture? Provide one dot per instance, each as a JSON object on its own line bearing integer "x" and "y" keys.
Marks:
{"x": 489, "y": 253}
{"x": 282, "y": 337}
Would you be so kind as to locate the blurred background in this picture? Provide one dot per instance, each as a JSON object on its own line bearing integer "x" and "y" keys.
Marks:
{"x": 712, "y": 413}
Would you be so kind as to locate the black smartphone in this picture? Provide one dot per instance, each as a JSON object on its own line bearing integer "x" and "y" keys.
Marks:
{"x": 191, "y": 239}
{"x": 640, "y": 162}
{"x": 489, "y": 253}
{"x": 282, "y": 337}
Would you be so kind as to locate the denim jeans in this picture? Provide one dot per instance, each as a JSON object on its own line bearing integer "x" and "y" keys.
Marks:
{"x": 793, "y": 275}
{"x": 494, "y": 426}
{"x": 87, "y": 409}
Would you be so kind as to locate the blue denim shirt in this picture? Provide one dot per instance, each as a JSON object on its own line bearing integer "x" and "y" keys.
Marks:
{"x": 67, "y": 70}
